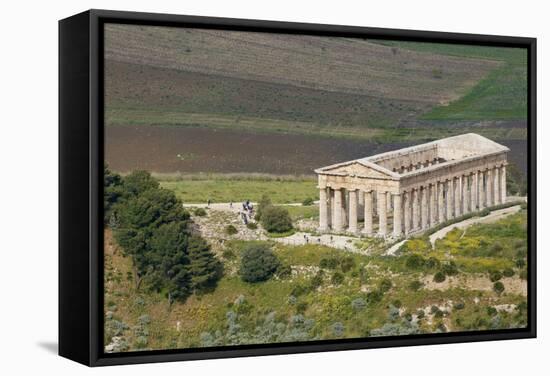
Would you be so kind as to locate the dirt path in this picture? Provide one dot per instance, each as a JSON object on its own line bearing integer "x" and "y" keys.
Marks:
{"x": 235, "y": 206}
{"x": 491, "y": 217}
{"x": 346, "y": 243}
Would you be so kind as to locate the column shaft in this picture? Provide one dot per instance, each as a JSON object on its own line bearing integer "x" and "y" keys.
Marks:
{"x": 449, "y": 200}
{"x": 503, "y": 184}
{"x": 490, "y": 185}
{"x": 424, "y": 207}
{"x": 382, "y": 215}
{"x": 481, "y": 200}
{"x": 397, "y": 215}
{"x": 440, "y": 202}
{"x": 496, "y": 186}
{"x": 415, "y": 209}
{"x": 465, "y": 194}
{"x": 407, "y": 211}
{"x": 368, "y": 213}
{"x": 353, "y": 211}
{"x": 457, "y": 197}
{"x": 473, "y": 192}
{"x": 323, "y": 210}
{"x": 337, "y": 225}
{"x": 432, "y": 205}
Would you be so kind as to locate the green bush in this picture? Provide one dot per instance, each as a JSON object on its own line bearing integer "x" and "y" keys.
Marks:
{"x": 347, "y": 264}
{"x": 317, "y": 280}
{"x": 491, "y": 311}
{"x": 415, "y": 285}
{"x": 459, "y": 305}
{"x": 258, "y": 263}
{"x": 284, "y": 271}
{"x": 200, "y": 212}
{"x": 308, "y": 202}
{"x": 508, "y": 272}
{"x": 415, "y": 262}
{"x": 328, "y": 263}
{"x": 498, "y": 287}
{"x": 337, "y": 278}
{"x": 495, "y": 276}
{"x": 231, "y": 230}
{"x": 385, "y": 285}
{"x": 450, "y": 268}
{"x": 252, "y": 225}
{"x": 276, "y": 219}
{"x": 439, "y": 277}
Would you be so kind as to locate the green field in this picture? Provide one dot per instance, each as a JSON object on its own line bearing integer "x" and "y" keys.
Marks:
{"x": 222, "y": 190}
{"x": 335, "y": 294}
{"x": 502, "y": 95}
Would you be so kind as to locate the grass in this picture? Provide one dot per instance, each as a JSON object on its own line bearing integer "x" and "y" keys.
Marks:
{"x": 501, "y": 95}
{"x": 226, "y": 190}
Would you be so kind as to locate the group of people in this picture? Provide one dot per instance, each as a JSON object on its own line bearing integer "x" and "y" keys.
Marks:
{"x": 247, "y": 213}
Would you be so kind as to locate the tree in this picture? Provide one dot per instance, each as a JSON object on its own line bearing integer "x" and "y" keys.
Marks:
{"x": 258, "y": 263}
{"x": 113, "y": 191}
{"x": 204, "y": 267}
{"x": 263, "y": 204}
{"x": 138, "y": 182}
{"x": 276, "y": 219}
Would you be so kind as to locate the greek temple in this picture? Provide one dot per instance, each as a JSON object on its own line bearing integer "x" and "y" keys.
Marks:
{"x": 412, "y": 189}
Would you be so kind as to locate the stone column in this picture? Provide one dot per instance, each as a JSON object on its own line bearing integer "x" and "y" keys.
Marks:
{"x": 489, "y": 185}
{"x": 337, "y": 225}
{"x": 352, "y": 211}
{"x": 473, "y": 192}
{"x": 481, "y": 203}
{"x": 382, "y": 215}
{"x": 440, "y": 202}
{"x": 415, "y": 209}
{"x": 503, "y": 184}
{"x": 323, "y": 210}
{"x": 388, "y": 202}
{"x": 407, "y": 211}
{"x": 457, "y": 197}
{"x": 496, "y": 185}
{"x": 465, "y": 195}
{"x": 449, "y": 200}
{"x": 368, "y": 213}
{"x": 344, "y": 207}
{"x": 397, "y": 215}
{"x": 424, "y": 207}
{"x": 433, "y": 206}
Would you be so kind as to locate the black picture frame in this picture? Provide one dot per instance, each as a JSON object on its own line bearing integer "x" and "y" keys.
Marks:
{"x": 80, "y": 187}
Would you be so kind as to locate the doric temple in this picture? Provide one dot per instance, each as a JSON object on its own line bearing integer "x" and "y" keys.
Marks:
{"x": 412, "y": 189}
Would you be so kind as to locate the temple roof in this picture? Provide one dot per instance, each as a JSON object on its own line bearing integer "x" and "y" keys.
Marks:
{"x": 424, "y": 157}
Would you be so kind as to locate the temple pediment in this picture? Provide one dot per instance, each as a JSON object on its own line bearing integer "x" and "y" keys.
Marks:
{"x": 357, "y": 168}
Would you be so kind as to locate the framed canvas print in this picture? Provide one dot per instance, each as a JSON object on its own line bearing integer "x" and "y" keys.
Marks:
{"x": 236, "y": 187}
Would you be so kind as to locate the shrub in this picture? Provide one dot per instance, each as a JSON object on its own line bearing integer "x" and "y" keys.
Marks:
{"x": 397, "y": 303}
{"x": 358, "y": 304}
{"x": 459, "y": 305}
{"x": 415, "y": 262}
{"x": 200, "y": 212}
{"x": 449, "y": 268}
{"x": 415, "y": 285}
{"x": 374, "y": 297}
{"x": 338, "y": 329}
{"x": 317, "y": 280}
{"x": 520, "y": 263}
{"x": 432, "y": 263}
{"x": 307, "y": 202}
{"x": 385, "y": 285}
{"x": 263, "y": 204}
{"x": 276, "y": 219}
{"x": 498, "y": 287}
{"x": 301, "y": 307}
{"x": 284, "y": 270}
{"x": 495, "y": 276}
{"x": 420, "y": 314}
{"x": 439, "y": 277}
{"x": 258, "y": 263}
{"x": 252, "y": 225}
{"x": 508, "y": 272}
{"x": 328, "y": 263}
{"x": 491, "y": 311}
{"x": 337, "y": 278}
{"x": 228, "y": 254}
{"x": 231, "y": 230}
{"x": 347, "y": 264}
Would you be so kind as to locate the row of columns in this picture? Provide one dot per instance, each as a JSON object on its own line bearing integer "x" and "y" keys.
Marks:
{"x": 415, "y": 209}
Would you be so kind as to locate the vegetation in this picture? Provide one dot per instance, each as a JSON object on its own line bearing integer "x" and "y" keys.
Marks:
{"x": 276, "y": 219}
{"x": 258, "y": 263}
{"x": 152, "y": 228}
{"x": 231, "y": 190}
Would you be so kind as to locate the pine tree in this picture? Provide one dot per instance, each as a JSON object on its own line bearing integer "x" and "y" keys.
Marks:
{"x": 205, "y": 269}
